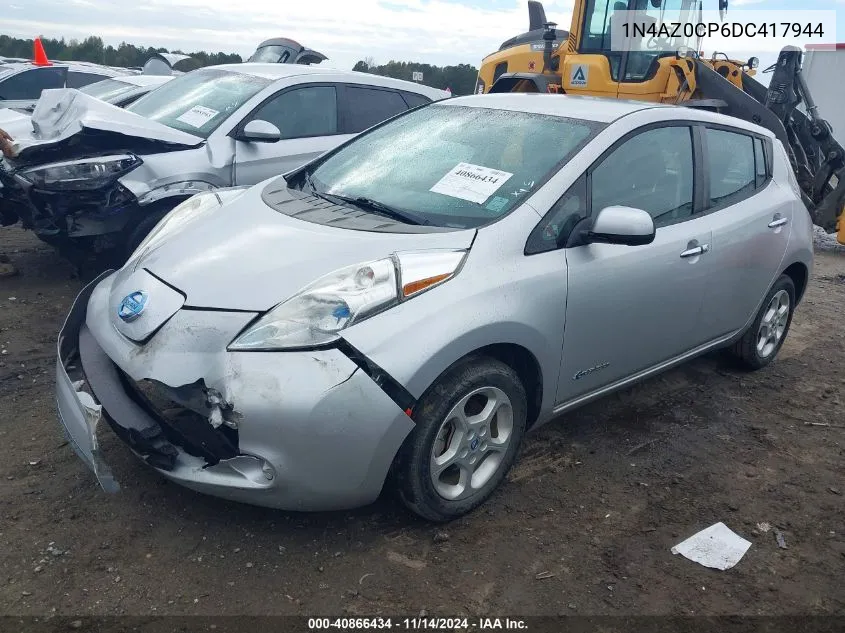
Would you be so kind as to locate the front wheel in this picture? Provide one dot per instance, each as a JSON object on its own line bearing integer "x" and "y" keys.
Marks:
{"x": 763, "y": 340}
{"x": 469, "y": 428}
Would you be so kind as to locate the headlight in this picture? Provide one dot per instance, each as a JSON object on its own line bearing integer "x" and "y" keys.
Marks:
{"x": 185, "y": 213}
{"x": 81, "y": 174}
{"x": 315, "y": 315}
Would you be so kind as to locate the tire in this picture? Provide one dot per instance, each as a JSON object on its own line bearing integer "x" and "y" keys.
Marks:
{"x": 762, "y": 341}
{"x": 443, "y": 436}
{"x": 143, "y": 227}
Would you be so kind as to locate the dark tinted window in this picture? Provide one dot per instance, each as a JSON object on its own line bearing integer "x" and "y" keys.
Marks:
{"x": 760, "y": 161}
{"x": 560, "y": 220}
{"x": 500, "y": 70}
{"x": 302, "y": 112}
{"x": 367, "y": 106}
{"x": 78, "y": 80}
{"x": 414, "y": 100}
{"x": 730, "y": 161}
{"x": 652, "y": 171}
{"x": 29, "y": 83}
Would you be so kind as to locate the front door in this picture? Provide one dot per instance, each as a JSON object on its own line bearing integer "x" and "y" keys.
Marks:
{"x": 630, "y": 308}
{"x": 307, "y": 117}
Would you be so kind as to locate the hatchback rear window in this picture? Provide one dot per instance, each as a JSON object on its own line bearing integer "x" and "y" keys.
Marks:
{"x": 454, "y": 166}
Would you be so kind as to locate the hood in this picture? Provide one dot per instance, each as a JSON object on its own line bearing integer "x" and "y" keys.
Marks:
{"x": 245, "y": 255}
{"x": 68, "y": 123}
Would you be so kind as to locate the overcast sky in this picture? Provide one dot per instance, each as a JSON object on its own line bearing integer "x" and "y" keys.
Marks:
{"x": 435, "y": 31}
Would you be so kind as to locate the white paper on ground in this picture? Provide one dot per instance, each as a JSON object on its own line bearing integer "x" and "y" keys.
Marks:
{"x": 716, "y": 547}
{"x": 198, "y": 116}
{"x": 471, "y": 182}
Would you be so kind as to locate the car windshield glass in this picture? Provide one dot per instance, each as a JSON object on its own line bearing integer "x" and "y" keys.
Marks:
{"x": 5, "y": 72}
{"x": 453, "y": 166}
{"x": 198, "y": 102}
{"x": 107, "y": 90}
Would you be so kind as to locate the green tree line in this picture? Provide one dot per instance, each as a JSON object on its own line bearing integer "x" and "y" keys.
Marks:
{"x": 92, "y": 49}
{"x": 459, "y": 79}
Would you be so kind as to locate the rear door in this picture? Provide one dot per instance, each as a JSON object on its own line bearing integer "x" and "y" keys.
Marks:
{"x": 751, "y": 218}
{"x": 630, "y": 308}
{"x": 308, "y": 118}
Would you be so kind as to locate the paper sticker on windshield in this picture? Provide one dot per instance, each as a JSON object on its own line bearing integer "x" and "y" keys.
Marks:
{"x": 198, "y": 116}
{"x": 471, "y": 182}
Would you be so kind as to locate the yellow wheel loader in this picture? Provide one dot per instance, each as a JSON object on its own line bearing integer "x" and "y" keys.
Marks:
{"x": 582, "y": 61}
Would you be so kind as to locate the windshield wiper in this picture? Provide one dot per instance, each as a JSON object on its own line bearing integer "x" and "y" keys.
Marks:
{"x": 382, "y": 209}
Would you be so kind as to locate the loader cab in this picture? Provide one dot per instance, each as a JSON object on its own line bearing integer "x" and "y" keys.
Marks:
{"x": 621, "y": 49}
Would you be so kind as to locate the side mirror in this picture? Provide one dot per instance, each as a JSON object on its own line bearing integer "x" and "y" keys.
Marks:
{"x": 753, "y": 63}
{"x": 260, "y": 131}
{"x": 622, "y": 225}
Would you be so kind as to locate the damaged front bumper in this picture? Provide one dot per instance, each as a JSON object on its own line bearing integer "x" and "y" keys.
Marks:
{"x": 291, "y": 430}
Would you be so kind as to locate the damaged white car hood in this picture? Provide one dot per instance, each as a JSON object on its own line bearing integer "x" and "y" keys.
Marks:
{"x": 245, "y": 255}
{"x": 64, "y": 113}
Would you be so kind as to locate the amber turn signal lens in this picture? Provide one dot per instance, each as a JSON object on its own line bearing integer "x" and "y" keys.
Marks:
{"x": 417, "y": 286}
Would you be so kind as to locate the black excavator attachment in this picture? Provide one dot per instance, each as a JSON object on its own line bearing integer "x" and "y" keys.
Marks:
{"x": 787, "y": 108}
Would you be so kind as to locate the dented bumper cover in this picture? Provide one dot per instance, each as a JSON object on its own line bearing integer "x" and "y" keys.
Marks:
{"x": 291, "y": 430}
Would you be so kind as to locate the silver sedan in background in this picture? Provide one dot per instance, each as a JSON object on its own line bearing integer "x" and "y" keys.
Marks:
{"x": 405, "y": 307}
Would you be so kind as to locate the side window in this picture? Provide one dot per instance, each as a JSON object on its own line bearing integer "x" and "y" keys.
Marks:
{"x": 365, "y": 107}
{"x": 414, "y": 100}
{"x": 555, "y": 227}
{"x": 500, "y": 70}
{"x": 760, "y": 162}
{"x": 29, "y": 83}
{"x": 730, "y": 163}
{"x": 78, "y": 80}
{"x": 653, "y": 171}
{"x": 302, "y": 112}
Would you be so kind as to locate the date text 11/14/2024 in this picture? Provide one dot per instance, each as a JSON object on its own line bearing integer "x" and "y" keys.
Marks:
{"x": 417, "y": 624}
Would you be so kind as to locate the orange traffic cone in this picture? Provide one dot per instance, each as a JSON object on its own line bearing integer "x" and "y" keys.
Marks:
{"x": 39, "y": 54}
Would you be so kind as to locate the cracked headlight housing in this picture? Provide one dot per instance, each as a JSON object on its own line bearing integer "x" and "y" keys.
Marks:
{"x": 82, "y": 174}
{"x": 315, "y": 316}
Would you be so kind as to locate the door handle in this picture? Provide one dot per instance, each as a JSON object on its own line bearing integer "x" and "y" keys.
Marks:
{"x": 695, "y": 252}
{"x": 778, "y": 222}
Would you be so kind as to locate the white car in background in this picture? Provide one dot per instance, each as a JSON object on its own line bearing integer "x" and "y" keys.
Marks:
{"x": 21, "y": 83}
{"x": 90, "y": 176}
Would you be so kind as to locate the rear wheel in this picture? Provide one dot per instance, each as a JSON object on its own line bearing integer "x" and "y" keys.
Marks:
{"x": 761, "y": 343}
{"x": 469, "y": 428}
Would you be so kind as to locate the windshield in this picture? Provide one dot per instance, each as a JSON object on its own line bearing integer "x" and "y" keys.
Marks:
{"x": 274, "y": 54}
{"x": 453, "y": 166}
{"x": 108, "y": 90}
{"x": 199, "y": 101}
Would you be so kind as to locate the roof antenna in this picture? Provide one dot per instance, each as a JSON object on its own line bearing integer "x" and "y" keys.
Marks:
{"x": 39, "y": 54}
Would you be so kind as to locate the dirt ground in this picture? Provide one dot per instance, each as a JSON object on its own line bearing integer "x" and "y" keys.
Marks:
{"x": 583, "y": 526}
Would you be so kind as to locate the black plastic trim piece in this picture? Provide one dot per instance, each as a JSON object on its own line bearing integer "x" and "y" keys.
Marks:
{"x": 385, "y": 381}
